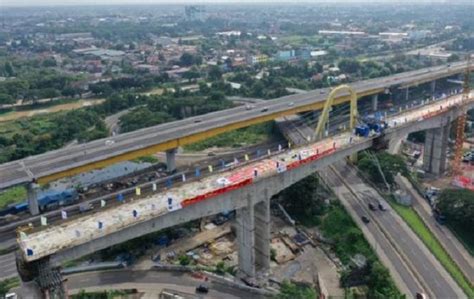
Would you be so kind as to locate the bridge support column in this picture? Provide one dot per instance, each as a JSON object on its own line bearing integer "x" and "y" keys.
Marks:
{"x": 32, "y": 193}
{"x": 375, "y": 102}
{"x": 262, "y": 235}
{"x": 253, "y": 238}
{"x": 433, "y": 87}
{"x": 435, "y": 151}
{"x": 407, "y": 93}
{"x": 171, "y": 159}
{"x": 246, "y": 240}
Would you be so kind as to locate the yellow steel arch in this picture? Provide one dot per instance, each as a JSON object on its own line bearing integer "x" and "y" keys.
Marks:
{"x": 324, "y": 117}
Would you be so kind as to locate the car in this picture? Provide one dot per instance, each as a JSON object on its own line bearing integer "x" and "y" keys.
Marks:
{"x": 211, "y": 154}
{"x": 372, "y": 207}
{"x": 11, "y": 296}
{"x": 421, "y": 296}
{"x": 249, "y": 107}
{"x": 291, "y": 104}
{"x": 382, "y": 207}
{"x": 202, "y": 289}
{"x": 322, "y": 92}
{"x": 365, "y": 219}
{"x": 264, "y": 109}
{"x": 109, "y": 142}
{"x": 198, "y": 120}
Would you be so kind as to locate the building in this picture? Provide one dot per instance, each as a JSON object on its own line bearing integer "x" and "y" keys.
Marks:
{"x": 257, "y": 59}
{"x": 419, "y": 34}
{"x": 148, "y": 68}
{"x": 349, "y": 33}
{"x": 285, "y": 55}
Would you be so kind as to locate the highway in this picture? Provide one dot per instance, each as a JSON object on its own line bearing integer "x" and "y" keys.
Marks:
{"x": 59, "y": 237}
{"x": 103, "y": 152}
{"x": 447, "y": 239}
{"x": 428, "y": 272}
{"x": 151, "y": 282}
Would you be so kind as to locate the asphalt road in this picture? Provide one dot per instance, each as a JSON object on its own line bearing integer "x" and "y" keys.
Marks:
{"x": 180, "y": 280}
{"x": 452, "y": 245}
{"x": 23, "y": 171}
{"x": 7, "y": 266}
{"x": 412, "y": 286}
{"x": 432, "y": 276}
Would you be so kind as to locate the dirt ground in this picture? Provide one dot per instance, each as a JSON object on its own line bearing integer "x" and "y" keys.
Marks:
{"x": 61, "y": 107}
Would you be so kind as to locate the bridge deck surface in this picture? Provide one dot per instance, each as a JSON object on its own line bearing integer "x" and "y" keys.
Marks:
{"x": 100, "y": 153}
{"x": 79, "y": 231}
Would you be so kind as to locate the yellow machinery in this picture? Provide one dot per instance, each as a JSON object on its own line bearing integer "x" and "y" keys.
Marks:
{"x": 324, "y": 117}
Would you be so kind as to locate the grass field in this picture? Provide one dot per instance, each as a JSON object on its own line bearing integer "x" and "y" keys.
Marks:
{"x": 14, "y": 115}
{"x": 419, "y": 227}
{"x": 238, "y": 138}
{"x": 37, "y": 125}
{"x": 12, "y": 195}
{"x": 7, "y": 284}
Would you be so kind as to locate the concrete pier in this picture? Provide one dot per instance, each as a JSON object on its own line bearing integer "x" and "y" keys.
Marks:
{"x": 171, "y": 159}
{"x": 436, "y": 146}
{"x": 253, "y": 225}
{"x": 375, "y": 102}
{"x": 32, "y": 193}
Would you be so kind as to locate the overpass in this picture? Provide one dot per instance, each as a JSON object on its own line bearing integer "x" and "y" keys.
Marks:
{"x": 247, "y": 189}
{"x": 167, "y": 137}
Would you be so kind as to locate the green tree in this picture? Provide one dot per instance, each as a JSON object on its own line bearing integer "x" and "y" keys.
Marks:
{"x": 390, "y": 165}
{"x": 50, "y": 62}
{"x": 188, "y": 59}
{"x": 184, "y": 260}
{"x": 379, "y": 282}
{"x": 142, "y": 118}
{"x": 458, "y": 206}
{"x": 9, "y": 72}
{"x": 191, "y": 75}
{"x": 347, "y": 65}
{"x": 302, "y": 200}
{"x": 215, "y": 73}
{"x": 6, "y": 99}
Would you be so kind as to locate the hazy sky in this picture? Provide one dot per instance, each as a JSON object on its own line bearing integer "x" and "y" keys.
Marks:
{"x": 106, "y": 2}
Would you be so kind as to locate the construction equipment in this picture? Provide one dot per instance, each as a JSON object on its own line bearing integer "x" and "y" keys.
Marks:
{"x": 461, "y": 122}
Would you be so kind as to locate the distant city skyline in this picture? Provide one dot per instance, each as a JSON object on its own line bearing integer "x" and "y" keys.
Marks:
{"x": 142, "y": 2}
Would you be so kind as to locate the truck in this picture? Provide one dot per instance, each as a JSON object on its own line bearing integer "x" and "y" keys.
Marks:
{"x": 362, "y": 130}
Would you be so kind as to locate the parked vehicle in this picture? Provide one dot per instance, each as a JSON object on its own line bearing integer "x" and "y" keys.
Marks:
{"x": 382, "y": 207}
{"x": 372, "y": 207}
{"x": 46, "y": 202}
{"x": 84, "y": 207}
{"x": 439, "y": 217}
{"x": 53, "y": 200}
{"x": 362, "y": 130}
{"x": 365, "y": 219}
{"x": 202, "y": 289}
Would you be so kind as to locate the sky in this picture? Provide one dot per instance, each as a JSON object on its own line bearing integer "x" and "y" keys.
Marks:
{"x": 114, "y": 2}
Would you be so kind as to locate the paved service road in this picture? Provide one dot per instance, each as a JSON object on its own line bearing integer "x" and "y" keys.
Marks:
{"x": 399, "y": 271}
{"x": 431, "y": 274}
{"x": 452, "y": 245}
{"x": 7, "y": 266}
{"x": 179, "y": 280}
{"x": 170, "y": 134}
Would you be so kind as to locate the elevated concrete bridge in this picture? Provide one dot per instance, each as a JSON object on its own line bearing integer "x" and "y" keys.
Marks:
{"x": 167, "y": 137}
{"x": 247, "y": 189}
